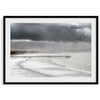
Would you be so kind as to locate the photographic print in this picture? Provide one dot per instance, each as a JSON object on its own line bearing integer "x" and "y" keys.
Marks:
{"x": 50, "y": 49}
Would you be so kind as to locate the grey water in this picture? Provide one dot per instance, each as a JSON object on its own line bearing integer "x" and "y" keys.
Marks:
{"x": 49, "y": 46}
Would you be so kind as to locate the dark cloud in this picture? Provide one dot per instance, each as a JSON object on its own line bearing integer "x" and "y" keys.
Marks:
{"x": 51, "y": 31}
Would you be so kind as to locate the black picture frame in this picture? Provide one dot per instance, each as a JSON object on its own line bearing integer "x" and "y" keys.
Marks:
{"x": 46, "y": 83}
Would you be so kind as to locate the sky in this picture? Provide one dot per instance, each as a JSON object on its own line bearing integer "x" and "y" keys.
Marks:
{"x": 67, "y": 32}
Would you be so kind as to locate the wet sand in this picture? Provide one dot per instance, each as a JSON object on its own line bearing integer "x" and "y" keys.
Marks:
{"x": 51, "y": 65}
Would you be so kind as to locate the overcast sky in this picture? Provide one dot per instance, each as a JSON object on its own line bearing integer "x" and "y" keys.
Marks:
{"x": 51, "y": 31}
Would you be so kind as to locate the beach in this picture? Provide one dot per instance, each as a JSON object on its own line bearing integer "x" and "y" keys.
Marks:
{"x": 75, "y": 64}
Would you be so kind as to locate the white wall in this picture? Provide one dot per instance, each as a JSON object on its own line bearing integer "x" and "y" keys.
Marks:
{"x": 47, "y": 7}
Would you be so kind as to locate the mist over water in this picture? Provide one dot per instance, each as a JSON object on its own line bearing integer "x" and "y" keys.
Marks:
{"x": 47, "y": 46}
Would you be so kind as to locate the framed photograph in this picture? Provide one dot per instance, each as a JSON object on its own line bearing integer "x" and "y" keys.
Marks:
{"x": 50, "y": 50}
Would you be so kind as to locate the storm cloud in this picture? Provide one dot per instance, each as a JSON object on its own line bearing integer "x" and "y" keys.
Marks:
{"x": 51, "y": 31}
